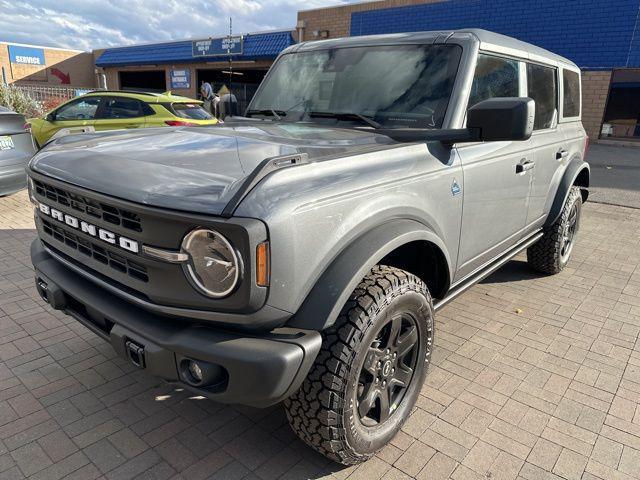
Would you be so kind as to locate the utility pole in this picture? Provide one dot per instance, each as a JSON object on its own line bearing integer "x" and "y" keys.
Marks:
{"x": 229, "y": 53}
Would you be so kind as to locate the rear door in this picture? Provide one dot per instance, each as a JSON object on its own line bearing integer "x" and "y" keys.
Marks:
{"x": 119, "y": 113}
{"x": 497, "y": 175}
{"x": 549, "y": 141}
{"x": 570, "y": 112}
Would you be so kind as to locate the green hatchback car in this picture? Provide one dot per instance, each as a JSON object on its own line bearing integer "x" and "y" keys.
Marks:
{"x": 113, "y": 110}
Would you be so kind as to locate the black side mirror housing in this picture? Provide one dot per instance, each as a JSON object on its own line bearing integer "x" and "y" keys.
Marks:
{"x": 502, "y": 119}
{"x": 51, "y": 117}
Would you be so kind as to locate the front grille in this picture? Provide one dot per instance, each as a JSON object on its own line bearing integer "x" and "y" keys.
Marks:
{"x": 101, "y": 254}
{"x": 93, "y": 208}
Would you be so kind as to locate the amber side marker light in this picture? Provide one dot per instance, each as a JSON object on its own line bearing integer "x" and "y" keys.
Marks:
{"x": 263, "y": 264}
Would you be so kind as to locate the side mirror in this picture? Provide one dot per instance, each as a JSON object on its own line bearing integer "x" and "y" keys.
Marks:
{"x": 51, "y": 117}
{"x": 500, "y": 119}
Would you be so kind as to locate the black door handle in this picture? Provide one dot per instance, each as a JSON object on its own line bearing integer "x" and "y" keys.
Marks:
{"x": 561, "y": 154}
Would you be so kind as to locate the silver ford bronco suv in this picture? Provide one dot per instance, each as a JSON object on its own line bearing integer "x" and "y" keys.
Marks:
{"x": 301, "y": 252}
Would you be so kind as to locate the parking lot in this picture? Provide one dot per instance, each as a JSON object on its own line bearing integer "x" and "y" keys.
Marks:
{"x": 533, "y": 377}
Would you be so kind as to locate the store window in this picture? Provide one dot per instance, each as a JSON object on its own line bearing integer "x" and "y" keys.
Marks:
{"x": 622, "y": 115}
{"x": 543, "y": 88}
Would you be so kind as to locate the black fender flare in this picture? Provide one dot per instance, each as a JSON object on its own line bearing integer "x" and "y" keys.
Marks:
{"x": 322, "y": 305}
{"x": 575, "y": 168}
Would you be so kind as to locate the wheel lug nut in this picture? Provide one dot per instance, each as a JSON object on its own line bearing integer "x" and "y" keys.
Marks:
{"x": 388, "y": 351}
{"x": 377, "y": 380}
{"x": 395, "y": 355}
{"x": 393, "y": 370}
{"x": 384, "y": 384}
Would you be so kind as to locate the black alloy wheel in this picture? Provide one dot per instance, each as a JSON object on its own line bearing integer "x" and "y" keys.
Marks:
{"x": 388, "y": 369}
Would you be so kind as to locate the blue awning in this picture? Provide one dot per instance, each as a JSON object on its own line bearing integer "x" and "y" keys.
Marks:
{"x": 257, "y": 46}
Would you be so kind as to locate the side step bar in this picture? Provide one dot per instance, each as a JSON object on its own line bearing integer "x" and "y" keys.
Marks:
{"x": 494, "y": 265}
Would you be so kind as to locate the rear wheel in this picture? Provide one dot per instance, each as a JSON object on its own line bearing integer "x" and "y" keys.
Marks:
{"x": 370, "y": 369}
{"x": 551, "y": 253}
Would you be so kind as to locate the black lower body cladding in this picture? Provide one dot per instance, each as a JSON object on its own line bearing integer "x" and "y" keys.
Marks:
{"x": 231, "y": 367}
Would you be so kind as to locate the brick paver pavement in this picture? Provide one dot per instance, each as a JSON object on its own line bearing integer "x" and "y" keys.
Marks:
{"x": 533, "y": 377}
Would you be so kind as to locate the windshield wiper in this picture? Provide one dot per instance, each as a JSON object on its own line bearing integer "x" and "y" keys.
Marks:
{"x": 347, "y": 116}
{"x": 277, "y": 114}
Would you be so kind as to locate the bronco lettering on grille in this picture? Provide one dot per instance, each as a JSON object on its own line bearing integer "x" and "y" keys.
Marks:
{"x": 104, "y": 235}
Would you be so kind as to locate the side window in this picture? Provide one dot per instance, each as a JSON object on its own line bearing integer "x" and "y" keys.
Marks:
{"x": 147, "y": 110}
{"x": 543, "y": 88}
{"x": 80, "y": 109}
{"x": 494, "y": 77}
{"x": 120, "y": 107}
{"x": 571, "y": 100}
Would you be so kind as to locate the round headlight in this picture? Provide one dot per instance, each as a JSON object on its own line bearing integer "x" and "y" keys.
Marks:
{"x": 213, "y": 265}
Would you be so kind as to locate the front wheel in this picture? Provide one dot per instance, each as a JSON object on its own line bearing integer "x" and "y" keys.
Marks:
{"x": 370, "y": 369}
{"x": 551, "y": 253}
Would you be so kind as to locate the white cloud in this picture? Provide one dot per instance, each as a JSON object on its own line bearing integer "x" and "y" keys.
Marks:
{"x": 90, "y": 24}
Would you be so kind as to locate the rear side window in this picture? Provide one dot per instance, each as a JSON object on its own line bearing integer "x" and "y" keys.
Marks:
{"x": 543, "y": 88}
{"x": 571, "y": 100}
{"x": 494, "y": 77}
{"x": 120, "y": 107}
{"x": 192, "y": 111}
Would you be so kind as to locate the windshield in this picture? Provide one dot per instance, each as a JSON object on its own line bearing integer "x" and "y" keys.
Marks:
{"x": 191, "y": 110}
{"x": 404, "y": 86}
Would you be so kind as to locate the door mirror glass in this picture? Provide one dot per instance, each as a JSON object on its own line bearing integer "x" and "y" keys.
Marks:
{"x": 501, "y": 119}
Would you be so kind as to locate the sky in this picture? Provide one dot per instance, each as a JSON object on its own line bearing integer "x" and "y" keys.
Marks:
{"x": 90, "y": 24}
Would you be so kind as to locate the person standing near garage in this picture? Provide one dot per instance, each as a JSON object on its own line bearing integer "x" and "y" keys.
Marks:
{"x": 207, "y": 96}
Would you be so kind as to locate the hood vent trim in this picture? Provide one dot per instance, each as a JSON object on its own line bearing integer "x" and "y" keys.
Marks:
{"x": 265, "y": 168}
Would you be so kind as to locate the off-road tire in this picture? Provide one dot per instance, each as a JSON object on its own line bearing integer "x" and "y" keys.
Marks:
{"x": 323, "y": 413}
{"x": 546, "y": 254}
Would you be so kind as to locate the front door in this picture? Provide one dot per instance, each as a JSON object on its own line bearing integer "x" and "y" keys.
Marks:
{"x": 77, "y": 116}
{"x": 497, "y": 175}
{"x": 497, "y": 181}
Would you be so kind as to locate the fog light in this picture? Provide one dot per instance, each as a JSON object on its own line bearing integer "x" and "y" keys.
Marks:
{"x": 201, "y": 374}
{"x": 195, "y": 371}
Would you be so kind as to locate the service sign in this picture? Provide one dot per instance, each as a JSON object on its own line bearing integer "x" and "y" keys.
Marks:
{"x": 26, "y": 55}
{"x": 212, "y": 47}
{"x": 180, "y": 79}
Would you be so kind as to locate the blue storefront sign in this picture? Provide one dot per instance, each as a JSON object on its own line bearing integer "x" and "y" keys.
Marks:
{"x": 217, "y": 46}
{"x": 26, "y": 55}
{"x": 180, "y": 79}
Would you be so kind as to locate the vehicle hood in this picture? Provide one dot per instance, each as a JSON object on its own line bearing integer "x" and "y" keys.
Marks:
{"x": 196, "y": 169}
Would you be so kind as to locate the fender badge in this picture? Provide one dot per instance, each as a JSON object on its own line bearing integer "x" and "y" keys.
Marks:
{"x": 455, "y": 188}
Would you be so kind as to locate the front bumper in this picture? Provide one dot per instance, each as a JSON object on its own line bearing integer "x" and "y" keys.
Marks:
{"x": 248, "y": 369}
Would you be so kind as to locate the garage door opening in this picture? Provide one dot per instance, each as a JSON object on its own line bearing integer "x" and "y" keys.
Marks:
{"x": 243, "y": 83}
{"x": 147, "y": 81}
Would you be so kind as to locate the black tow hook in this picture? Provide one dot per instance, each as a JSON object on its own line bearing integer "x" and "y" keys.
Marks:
{"x": 51, "y": 293}
{"x": 135, "y": 352}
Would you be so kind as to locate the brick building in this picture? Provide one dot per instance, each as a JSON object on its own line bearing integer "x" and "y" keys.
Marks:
{"x": 602, "y": 38}
{"x": 33, "y": 64}
{"x": 181, "y": 66}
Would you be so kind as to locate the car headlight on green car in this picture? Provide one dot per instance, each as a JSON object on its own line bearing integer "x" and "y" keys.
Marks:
{"x": 213, "y": 265}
